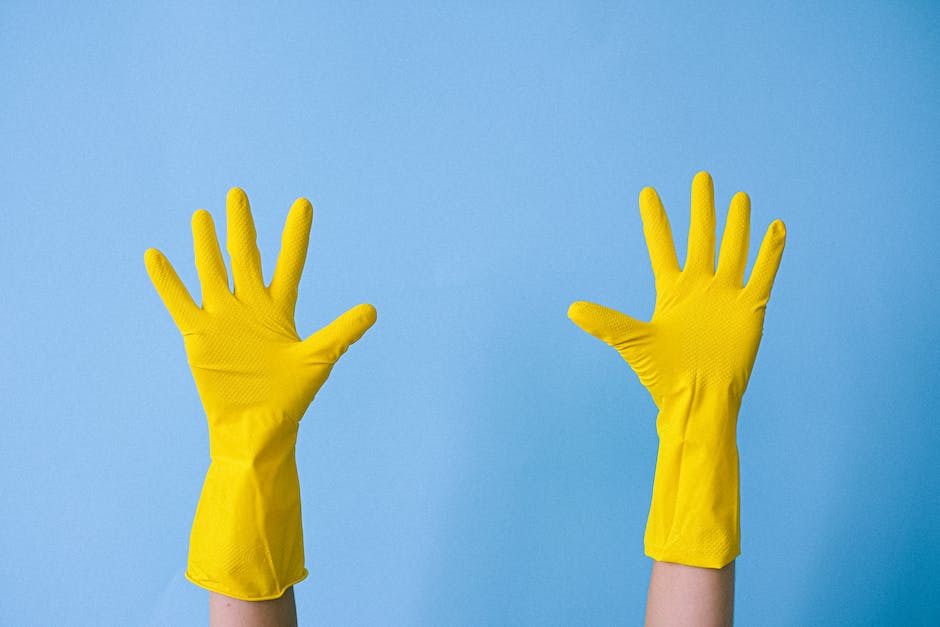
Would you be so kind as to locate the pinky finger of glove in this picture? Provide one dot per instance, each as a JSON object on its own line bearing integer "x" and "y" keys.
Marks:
{"x": 174, "y": 294}
{"x": 605, "y": 323}
{"x": 329, "y": 343}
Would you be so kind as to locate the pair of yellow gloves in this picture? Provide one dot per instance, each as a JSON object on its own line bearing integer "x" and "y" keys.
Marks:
{"x": 256, "y": 377}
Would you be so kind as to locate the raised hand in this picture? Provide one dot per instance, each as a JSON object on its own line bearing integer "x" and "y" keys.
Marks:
{"x": 243, "y": 346}
{"x": 695, "y": 357}
{"x": 256, "y": 378}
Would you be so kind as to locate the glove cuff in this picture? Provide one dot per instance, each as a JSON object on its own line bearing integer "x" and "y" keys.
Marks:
{"x": 694, "y": 514}
{"x": 247, "y": 535}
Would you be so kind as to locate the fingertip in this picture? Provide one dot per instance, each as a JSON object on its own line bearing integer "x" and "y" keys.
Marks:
{"x": 201, "y": 214}
{"x": 201, "y": 217}
{"x": 776, "y": 235}
{"x": 741, "y": 198}
{"x": 702, "y": 178}
{"x": 303, "y": 206}
{"x": 703, "y": 190}
{"x": 586, "y": 315}
{"x": 739, "y": 213}
{"x": 153, "y": 259}
{"x": 301, "y": 214}
{"x": 367, "y": 314}
{"x": 648, "y": 197}
{"x": 576, "y": 309}
{"x": 236, "y": 197}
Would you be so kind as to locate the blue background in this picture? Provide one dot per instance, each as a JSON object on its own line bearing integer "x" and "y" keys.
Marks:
{"x": 476, "y": 459}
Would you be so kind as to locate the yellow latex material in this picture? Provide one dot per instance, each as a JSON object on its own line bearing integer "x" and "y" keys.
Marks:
{"x": 256, "y": 378}
{"x": 695, "y": 357}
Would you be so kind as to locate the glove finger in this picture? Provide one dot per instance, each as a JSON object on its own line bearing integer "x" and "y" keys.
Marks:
{"x": 329, "y": 343}
{"x": 213, "y": 275}
{"x": 732, "y": 258}
{"x": 768, "y": 261}
{"x": 242, "y": 246}
{"x": 290, "y": 261}
{"x": 658, "y": 234}
{"x": 172, "y": 292}
{"x": 701, "y": 252}
{"x": 608, "y": 325}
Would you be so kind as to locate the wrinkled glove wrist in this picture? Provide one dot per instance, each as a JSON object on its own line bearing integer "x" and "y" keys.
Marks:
{"x": 247, "y": 535}
{"x": 694, "y": 516}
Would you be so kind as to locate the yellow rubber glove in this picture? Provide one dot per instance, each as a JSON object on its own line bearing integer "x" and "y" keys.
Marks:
{"x": 695, "y": 357}
{"x": 256, "y": 378}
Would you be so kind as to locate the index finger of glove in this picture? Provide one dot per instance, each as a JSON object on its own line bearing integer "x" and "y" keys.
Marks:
{"x": 329, "y": 343}
{"x": 293, "y": 255}
{"x": 604, "y": 323}
{"x": 242, "y": 246}
{"x": 658, "y": 234}
{"x": 172, "y": 292}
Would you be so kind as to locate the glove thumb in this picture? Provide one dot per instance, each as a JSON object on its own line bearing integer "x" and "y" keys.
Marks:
{"x": 604, "y": 323}
{"x": 624, "y": 333}
{"x": 329, "y": 343}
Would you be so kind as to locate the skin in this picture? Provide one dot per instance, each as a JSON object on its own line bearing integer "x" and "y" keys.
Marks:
{"x": 678, "y": 595}
{"x": 228, "y": 612}
{"x": 686, "y": 595}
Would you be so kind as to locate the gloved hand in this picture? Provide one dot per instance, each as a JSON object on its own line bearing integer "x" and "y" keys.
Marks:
{"x": 256, "y": 378}
{"x": 695, "y": 357}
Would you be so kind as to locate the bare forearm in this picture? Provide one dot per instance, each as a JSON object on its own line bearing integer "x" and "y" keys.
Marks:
{"x": 228, "y": 612}
{"x": 688, "y": 595}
